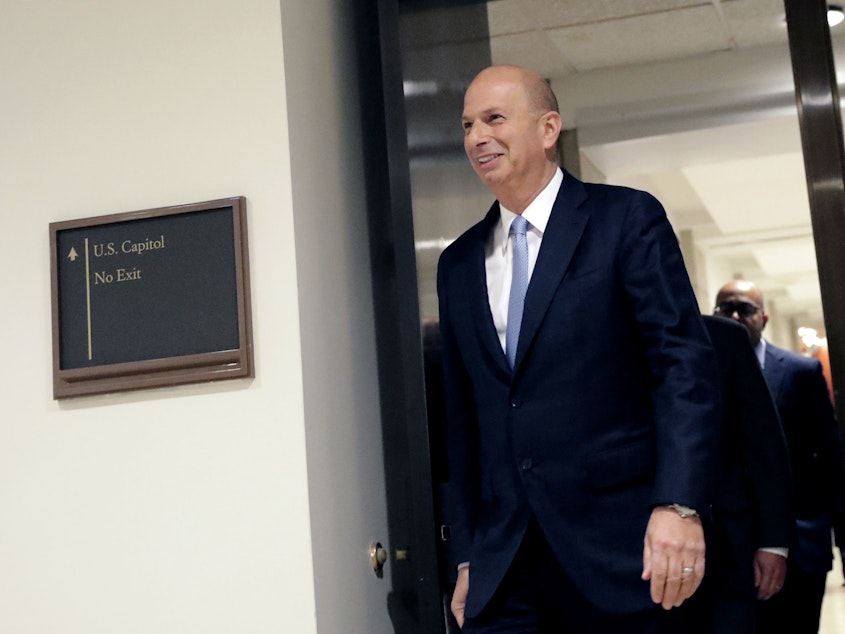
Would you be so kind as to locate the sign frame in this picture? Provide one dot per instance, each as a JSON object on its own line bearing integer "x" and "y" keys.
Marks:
{"x": 165, "y": 369}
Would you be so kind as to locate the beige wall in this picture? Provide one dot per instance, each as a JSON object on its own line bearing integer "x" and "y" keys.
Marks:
{"x": 176, "y": 510}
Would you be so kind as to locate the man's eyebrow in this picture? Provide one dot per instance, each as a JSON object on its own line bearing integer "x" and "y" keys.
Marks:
{"x": 483, "y": 113}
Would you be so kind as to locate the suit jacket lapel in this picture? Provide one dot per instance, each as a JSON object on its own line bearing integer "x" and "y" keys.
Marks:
{"x": 563, "y": 232}
{"x": 480, "y": 301}
{"x": 773, "y": 370}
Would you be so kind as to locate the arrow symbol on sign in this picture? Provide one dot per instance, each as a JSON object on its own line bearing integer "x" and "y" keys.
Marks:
{"x": 72, "y": 255}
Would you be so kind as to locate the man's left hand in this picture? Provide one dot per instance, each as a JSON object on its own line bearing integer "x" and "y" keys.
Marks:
{"x": 673, "y": 556}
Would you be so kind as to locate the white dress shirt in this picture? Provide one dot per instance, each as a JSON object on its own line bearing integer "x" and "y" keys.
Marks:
{"x": 760, "y": 351}
{"x": 499, "y": 251}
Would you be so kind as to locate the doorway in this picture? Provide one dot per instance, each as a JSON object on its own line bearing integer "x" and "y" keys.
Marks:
{"x": 693, "y": 100}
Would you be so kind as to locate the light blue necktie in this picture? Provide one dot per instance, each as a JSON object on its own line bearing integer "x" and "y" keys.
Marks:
{"x": 519, "y": 284}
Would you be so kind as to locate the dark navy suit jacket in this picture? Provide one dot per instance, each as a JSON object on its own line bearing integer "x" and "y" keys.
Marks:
{"x": 609, "y": 411}
{"x": 752, "y": 490}
{"x": 812, "y": 435}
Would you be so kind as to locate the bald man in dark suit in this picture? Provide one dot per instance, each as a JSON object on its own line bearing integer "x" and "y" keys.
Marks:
{"x": 580, "y": 416}
{"x": 752, "y": 490}
{"x": 800, "y": 393}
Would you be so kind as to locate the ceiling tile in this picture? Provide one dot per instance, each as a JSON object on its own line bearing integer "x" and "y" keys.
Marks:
{"x": 647, "y": 38}
{"x": 756, "y": 22}
{"x": 531, "y": 50}
{"x": 509, "y": 16}
{"x": 574, "y": 12}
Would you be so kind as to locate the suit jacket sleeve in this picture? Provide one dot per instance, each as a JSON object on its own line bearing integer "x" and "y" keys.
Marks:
{"x": 764, "y": 449}
{"x": 461, "y": 438}
{"x": 685, "y": 397}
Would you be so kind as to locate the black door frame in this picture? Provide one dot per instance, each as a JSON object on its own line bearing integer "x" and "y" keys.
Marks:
{"x": 414, "y": 601}
{"x": 820, "y": 121}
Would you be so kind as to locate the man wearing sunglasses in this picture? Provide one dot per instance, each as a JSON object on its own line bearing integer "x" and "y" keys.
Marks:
{"x": 751, "y": 502}
{"x": 800, "y": 394}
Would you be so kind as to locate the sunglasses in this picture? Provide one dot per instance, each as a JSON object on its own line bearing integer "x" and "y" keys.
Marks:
{"x": 743, "y": 309}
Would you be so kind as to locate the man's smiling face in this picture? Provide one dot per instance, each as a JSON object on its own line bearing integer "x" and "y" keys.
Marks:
{"x": 504, "y": 136}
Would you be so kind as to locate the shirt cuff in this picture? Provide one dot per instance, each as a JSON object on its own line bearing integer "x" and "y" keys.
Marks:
{"x": 783, "y": 552}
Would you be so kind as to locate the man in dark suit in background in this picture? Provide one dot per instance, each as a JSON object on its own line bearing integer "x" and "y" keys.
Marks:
{"x": 752, "y": 490}
{"x": 812, "y": 436}
{"x": 579, "y": 446}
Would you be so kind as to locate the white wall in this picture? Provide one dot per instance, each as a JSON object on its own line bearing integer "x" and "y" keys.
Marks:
{"x": 179, "y": 510}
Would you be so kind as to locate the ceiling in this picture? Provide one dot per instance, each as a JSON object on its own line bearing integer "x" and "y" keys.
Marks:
{"x": 693, "y": 101}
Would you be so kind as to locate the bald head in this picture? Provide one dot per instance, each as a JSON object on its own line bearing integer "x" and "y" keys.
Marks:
{"x": 541, "y": 97}
{"x": 749, "y": 289}
{"x": 742, "y": 301}
{"x": 511, "y": 129}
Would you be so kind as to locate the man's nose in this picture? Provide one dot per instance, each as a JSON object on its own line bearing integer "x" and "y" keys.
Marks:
{"x": 477, "y": 134}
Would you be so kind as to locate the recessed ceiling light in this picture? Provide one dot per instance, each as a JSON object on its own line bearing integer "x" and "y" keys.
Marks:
{"x": 835, "y": 15}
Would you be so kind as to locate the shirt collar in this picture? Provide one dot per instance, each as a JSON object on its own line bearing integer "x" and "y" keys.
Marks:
{"x": 760, "y": 351}
{"x": 536, "y": 213}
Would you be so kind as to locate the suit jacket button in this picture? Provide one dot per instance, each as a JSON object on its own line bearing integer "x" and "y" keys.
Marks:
{"x": 527, "y": 464}
{"x": 514, "y": 404}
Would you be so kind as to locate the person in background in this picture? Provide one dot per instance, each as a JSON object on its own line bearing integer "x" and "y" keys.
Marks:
{"x": 752, "y": 492}
{"x": 580, "y": 389}
{"x": 800, "y": 393}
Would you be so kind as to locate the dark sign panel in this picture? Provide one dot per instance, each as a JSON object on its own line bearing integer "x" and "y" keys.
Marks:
{"x": 150, "y": 298}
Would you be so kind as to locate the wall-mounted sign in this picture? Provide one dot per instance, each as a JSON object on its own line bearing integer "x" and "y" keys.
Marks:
{"x": 151, "y": 298}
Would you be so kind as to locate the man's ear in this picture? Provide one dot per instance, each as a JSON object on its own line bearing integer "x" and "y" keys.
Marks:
{"x": 552, "y": 126}
{"x": 765, "y": 321}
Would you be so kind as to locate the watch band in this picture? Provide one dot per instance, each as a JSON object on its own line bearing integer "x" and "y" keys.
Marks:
{"x": 683, "y": 511}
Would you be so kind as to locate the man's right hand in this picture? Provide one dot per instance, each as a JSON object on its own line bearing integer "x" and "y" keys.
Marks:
{"x": 459, "y": 596}
{"x": 769, "y": 573}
